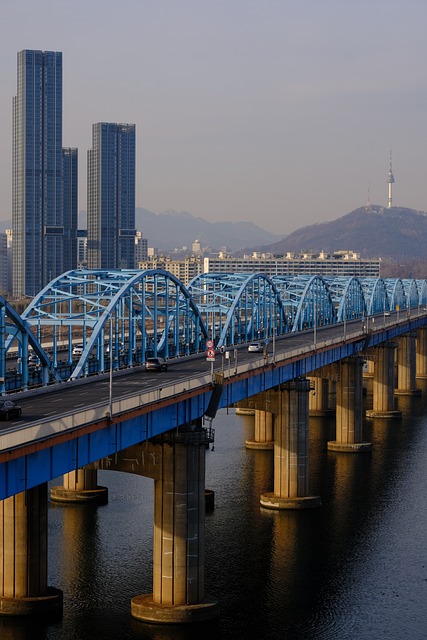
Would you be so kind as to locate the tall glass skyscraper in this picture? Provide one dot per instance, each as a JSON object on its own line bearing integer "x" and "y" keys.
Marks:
{"x": 37, "y": 219}
{"x": 70, "y": 206}
{"x": 111, "y": 197}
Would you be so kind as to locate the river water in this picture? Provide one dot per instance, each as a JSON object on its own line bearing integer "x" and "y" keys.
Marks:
{"x": 354, "y": 568}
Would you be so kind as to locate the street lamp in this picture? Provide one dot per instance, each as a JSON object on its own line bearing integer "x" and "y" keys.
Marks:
{"x": 110, "y": 403}
{"x": 274, "y": 344}
{"x": 345, "y": 322}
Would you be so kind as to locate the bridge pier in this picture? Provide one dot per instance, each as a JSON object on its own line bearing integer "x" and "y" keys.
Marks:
{"x": 291, "y": 455}
{"x": 369, "y": 371}
{"x": 349, "y": 408}
{"x": 179, "y": 534}
{"x": 406, "y": 379}
{"x": 80, "y": 485}
{"x": 318, "y": 399}
{"x": 383, "y": 383}
{"x": 23, "y": 556}
{"x": 263, "y": 431}
{"x": 421, "y": 354}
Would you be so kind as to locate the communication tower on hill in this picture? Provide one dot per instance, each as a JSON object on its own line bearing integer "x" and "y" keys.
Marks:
{"x": 390, "y": 180}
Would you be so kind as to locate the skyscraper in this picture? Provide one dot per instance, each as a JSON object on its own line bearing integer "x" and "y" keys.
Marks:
{"x": 70, "y": 206}
{"x": 37, "y": 220}
{"x": 111, "y": 197}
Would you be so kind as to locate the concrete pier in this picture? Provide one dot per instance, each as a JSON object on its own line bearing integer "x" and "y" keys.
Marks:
{"x": 319, "y": 398}
{"x": 23, "y": 556}
{"x": 349, "y": 411}
{"x": 291, "y": 454}
{"x": 179, "y": 535}
{"x": 406, "y": 361}
{"x": 421, "y": 354}
{"x": 263, "y": 439}
{"x": 80, "y": 486}
{"x": 383, "y": 383}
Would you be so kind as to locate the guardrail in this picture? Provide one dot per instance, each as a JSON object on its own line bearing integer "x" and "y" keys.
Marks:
{"x": 19, "y": 436}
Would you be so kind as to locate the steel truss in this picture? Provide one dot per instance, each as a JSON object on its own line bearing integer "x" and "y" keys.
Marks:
{"x": 131, "y": 314}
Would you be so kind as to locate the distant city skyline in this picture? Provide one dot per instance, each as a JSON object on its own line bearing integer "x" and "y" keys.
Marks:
{"x": 278, "y": 113}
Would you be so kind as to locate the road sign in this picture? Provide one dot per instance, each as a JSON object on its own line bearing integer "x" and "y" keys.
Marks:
{"x": 209, "y": 344}
{"x": 210, "y": 355}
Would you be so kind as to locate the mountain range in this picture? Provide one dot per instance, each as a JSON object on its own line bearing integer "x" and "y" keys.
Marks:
{"x": 175, "y": 229}
{"x": 396, "y": 234}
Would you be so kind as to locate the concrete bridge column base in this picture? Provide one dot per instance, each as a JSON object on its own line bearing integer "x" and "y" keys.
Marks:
{"x": 421, "y": 354}
{"x": 392, "y": 414}
{"x": 263, "y": 432}
{"x": 349, "y": 408}
{"x": 383, "y": 385}
{"x": 23, "y": 556}
{"x": 80, "y": 486}
{"x": 406, "y": 366}
{"x": 179, "y": 534}
{"x": 144, "y": 608}
{"x": 346, "y": 447}
{"x": 271, "y": 501}
{"x": 291, "y": 459}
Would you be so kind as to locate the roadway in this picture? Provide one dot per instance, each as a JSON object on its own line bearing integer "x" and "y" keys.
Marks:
{"x": 62, "y": 398}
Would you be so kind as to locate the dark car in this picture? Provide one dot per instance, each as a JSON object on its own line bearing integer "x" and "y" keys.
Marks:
{"x": 156, "y": 364}
{"x": 9, "y": 409}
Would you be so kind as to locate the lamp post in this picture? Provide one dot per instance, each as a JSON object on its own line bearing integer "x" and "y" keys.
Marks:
{"x": 274, "y": 345}
{"x": 345, "y": 322}
{"x": 110, "y": 403}
{"x": 315, "y": 323}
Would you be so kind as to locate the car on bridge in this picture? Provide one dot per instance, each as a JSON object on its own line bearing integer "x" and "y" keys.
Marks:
{"x": 156, "y": 364}
{"x": 256, "y": 347}
{"x": 77, "y": 350}
{"x": 8, "y": 409}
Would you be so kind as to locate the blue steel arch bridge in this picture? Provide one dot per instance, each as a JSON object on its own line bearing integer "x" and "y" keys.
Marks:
{"x": 87, "y": 322}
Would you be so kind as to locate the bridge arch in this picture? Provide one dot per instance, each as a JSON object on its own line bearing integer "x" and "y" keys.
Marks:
{"x": 307, "y": 301}
{"x": 396, "y": 294}
{"x": 16, "y": 335}
{"x": 348, "y": 298}
{"x": 411, "y": 293}
{"x": 126, "y": 313}
{"x": 376, "y": 295}
{"x": 238, "y": 307}
{"x": 422, "y": 291}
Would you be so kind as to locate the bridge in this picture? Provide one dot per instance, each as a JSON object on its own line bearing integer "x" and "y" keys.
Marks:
{"x": 103, "y": 410}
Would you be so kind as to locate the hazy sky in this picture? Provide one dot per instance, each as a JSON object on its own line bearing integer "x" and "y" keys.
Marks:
{"x": 280, "y": 112}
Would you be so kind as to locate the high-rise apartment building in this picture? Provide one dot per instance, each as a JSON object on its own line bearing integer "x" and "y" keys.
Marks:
{"x": 141, "y": 248}
{"x": 111, "y": 197}
{"x": 70, "y": 206}
{"x": 37, "y": 220}
{"x": 3, "y": 264}
{"x": 81, "y": 248}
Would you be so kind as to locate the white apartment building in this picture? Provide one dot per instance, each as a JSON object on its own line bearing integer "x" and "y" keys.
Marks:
{"x": 340, "y": 263}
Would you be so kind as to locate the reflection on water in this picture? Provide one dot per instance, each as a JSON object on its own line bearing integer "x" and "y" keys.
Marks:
{"x": 354, "y": 568}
